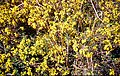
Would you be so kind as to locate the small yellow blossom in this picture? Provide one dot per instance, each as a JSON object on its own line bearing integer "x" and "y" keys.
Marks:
{"x": 83, "y": 41}
{"x": 29, "y": 71}
{"x": 34, "y": 25}
{"x": 106, "y": 20}
{"x": 7, "y": 30}
{"x": 16, "y": 35}
{"x": 22, "y": 28}
{"x": 111, "y": 72}
{"x": 89, "y": 54}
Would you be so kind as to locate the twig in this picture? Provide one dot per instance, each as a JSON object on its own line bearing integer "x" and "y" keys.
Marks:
{"x": 38, "y": 3}
{"x": 76, "y": 67}
{"x": 20, "y": 4}
{"x": 94, "y": 24}
{"x": 67, "y": 49}
{"x": 92, "y": 65}
{"x": 95, "y": 11}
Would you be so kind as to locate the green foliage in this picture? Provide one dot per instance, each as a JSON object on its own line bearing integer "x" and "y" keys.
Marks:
{"x": 59, "y": 37}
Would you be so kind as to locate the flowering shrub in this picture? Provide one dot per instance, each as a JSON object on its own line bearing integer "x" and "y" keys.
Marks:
{"x": 59, "y": 37}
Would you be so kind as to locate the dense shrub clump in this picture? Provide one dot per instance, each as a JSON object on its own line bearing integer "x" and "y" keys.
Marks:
{"x": 59, "y": 37}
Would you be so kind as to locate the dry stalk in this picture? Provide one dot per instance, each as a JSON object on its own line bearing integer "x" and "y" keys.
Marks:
{"x": 38, "y": 3}
{"x": 95, "y": 11}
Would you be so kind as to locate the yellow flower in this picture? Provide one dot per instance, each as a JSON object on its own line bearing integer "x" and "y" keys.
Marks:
{"x": 60, "y": 69}
{"x": 83, "y": 50}
{"x": 44, "y": 65}
{"x": 53, "y": 71}
{"x": 33, "y": 48}
{"x": 83, "y": 41}
{"x": 107, "y": 52}
{"x": 22, "y": 28}
{"x": 65, "y": 72}
{"x": 7, "y": 30}
{"x": 22, "y": 56}
{"x": 106, "y": 41}
{"x": 111, "y": 72}
{"x": 96, "y": 39}
{"x": 14, "y": 9}
{"x": 106, "y": 47}
{"x": 8, "y": 64}
{"x": 8, "y": 55}
{"x": 102, "y": 8}
{"x": 37, "y": 69}
{"x": 88, "y": 55}
{"x": 32, "y": 61}
{"x": 13, "y": 23}
{"x": 34, "y": 25}
{"x": 28, "y": 41}
{"x": 75, "y": 46}
{"x": 23, "y": 73}
{"x": 29, "y": 71}
{"x": 96, "y": 65}
{"x": 14, "y": 71}
{"x": 25, "y": 4}
{"x": 95, "y": 47}
{"x": 16, "y": 35}
{"x": 106, "y": 20}
{"x": 3, "y": 56}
